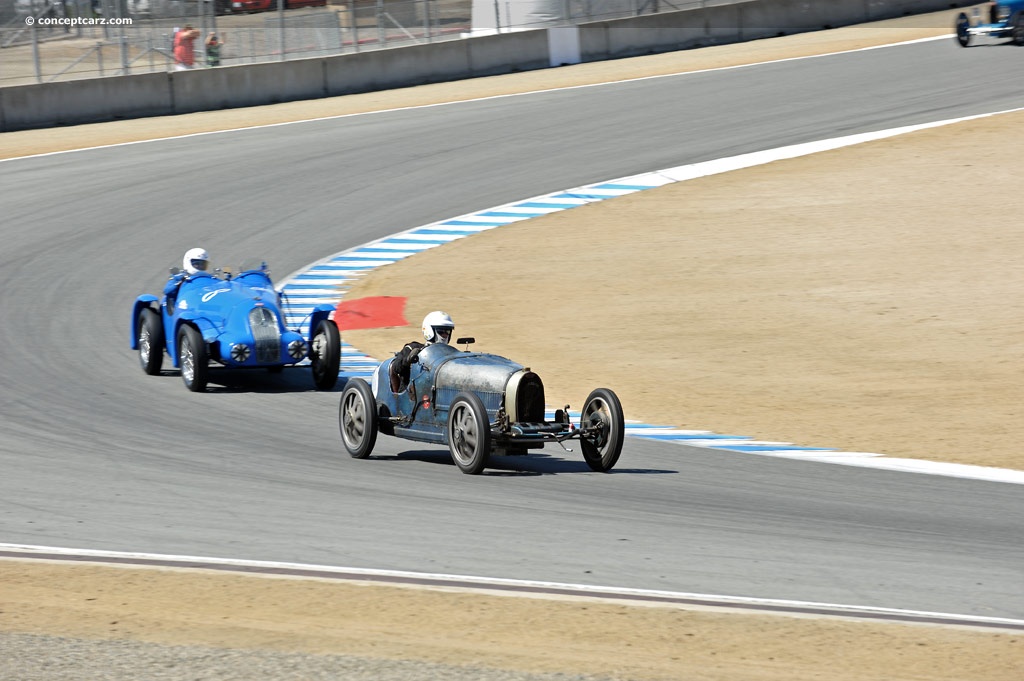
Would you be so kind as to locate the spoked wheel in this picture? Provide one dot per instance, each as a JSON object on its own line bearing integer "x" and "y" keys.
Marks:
{"x": 151, "y": 342}
{"x": 325, "y": 355}
{"x": 193, "y": 359}
{"x": 963, "y": 36}
{"x": 469, "y": 433}
{"x": 604, "y": 429}
{"x": 357, "y": 418}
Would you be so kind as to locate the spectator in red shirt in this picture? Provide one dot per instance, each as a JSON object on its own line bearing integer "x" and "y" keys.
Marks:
{"x": 184, "y": 48}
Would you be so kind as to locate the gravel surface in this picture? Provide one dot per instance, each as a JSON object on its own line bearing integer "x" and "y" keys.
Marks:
{"x": 28, "y": 657}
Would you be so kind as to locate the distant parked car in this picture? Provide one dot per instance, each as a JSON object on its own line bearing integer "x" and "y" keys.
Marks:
{"x": 98, "y": 7}
{"x": 268, "y": 5}
{"x": 1005, "y": 20}
{"x": 26, "y": 7}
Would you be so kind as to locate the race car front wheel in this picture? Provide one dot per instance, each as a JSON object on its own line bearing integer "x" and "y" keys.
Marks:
{"x": 357, "y": 418}
{"x": 469, "y": 433}
{"x": 603, "y": 428}
{"x": 963, "y": 36}
{"x": 151, "y": 342}
{"x": 193, "y": 358}
{"x": 325, "y": 355}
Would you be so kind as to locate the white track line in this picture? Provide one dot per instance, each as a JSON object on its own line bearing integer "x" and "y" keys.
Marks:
{"x": 493, "y": 585}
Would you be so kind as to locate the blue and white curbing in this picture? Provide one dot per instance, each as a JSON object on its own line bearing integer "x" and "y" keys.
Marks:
{"x": 326, "y": 281}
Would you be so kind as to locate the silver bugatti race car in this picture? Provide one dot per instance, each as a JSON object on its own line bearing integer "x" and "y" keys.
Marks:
{"x": 477, "y": 404}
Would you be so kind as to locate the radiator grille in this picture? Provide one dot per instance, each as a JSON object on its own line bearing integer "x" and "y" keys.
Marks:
{"x": 530, "y": 399}
{"x": 266, "y": 334}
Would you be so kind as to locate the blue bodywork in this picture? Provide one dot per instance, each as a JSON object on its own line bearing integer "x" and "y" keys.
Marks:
{"x": 1003, "y": 19}
{"x": 230, "y": 312}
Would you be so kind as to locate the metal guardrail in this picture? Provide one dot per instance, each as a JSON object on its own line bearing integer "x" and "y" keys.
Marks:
{"x": 35, "y": 48}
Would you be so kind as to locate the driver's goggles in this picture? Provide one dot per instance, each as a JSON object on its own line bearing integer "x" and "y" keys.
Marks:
{"x": 200, "y": 264}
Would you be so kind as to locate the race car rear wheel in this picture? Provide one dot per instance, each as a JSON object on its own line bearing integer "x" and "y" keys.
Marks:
{"x": 1017, "y": 33}
{"x": 469, "y": 433}
{"x": 604, "y": 429}
{"x": 325, "y": 355}
{"x": 962, "y": 35}
{"x": 151, "y": 342}
{"x": 357, "y": 418}
{"x": 193, "y": 358}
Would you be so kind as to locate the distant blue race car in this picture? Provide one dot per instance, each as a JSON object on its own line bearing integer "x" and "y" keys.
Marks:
{"x": 233, "y": 320}
{"x": 1005, "y": 19}
{"x": 477, "y": 404}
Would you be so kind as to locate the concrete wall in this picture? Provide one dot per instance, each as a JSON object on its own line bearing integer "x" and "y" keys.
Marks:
{"x": 512, "y": 52}
{"x": 239, "y": 86}
{"x": 751, "y": 20}
{"x": 157, "y": 94}
{"x": 98, "y": 99}
{"x": 435, "y": 63}
{"x": 660, "y": 33}
{"x": 369, "y": 71}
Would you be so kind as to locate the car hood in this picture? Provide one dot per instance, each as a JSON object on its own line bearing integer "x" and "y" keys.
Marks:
{"x": 219, "y": 299}
{"x": 476, "y": 371}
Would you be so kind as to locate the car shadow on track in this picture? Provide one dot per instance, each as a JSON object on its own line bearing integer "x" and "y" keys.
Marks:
{"x": 288, "y": 380}
{"x": 529, "y": 465}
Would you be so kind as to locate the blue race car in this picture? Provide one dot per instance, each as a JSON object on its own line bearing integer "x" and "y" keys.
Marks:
{"x": 233, "y": 320}
{"x": 477, "y": 404}
{"x": 1005, "y": 20}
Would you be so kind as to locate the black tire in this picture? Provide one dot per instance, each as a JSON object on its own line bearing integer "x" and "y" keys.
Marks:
{"x": 151, "y": 341}
{"x": 193, "y": 358}
{"x": 602, "y": 414}
{"x": 325, "y": 355}
{"x": 963, "y": 38}
{"x": 357, "y": 418}
{"x": 469, "y": 433}
{"x": 1017, "y": 34}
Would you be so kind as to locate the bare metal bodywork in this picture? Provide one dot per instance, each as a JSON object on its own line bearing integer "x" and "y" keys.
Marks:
{"x": 473, "y": 401}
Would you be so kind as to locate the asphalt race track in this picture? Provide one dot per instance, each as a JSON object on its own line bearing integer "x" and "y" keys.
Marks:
{"x": 96, "y": 455}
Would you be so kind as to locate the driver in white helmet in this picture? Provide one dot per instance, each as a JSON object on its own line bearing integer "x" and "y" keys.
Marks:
{"x": 438, "y": 327}
{"x": 195, "y": 261}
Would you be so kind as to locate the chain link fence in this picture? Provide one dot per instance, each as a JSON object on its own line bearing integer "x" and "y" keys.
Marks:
{"x": 53, "y": 40}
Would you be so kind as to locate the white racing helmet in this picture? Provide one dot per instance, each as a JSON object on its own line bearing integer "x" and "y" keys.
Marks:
{"x": 438, "y": 327}
{"x": 195, "y": 260}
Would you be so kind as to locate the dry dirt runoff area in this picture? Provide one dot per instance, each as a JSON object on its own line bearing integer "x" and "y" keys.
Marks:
{"x": 838, "y": 300}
